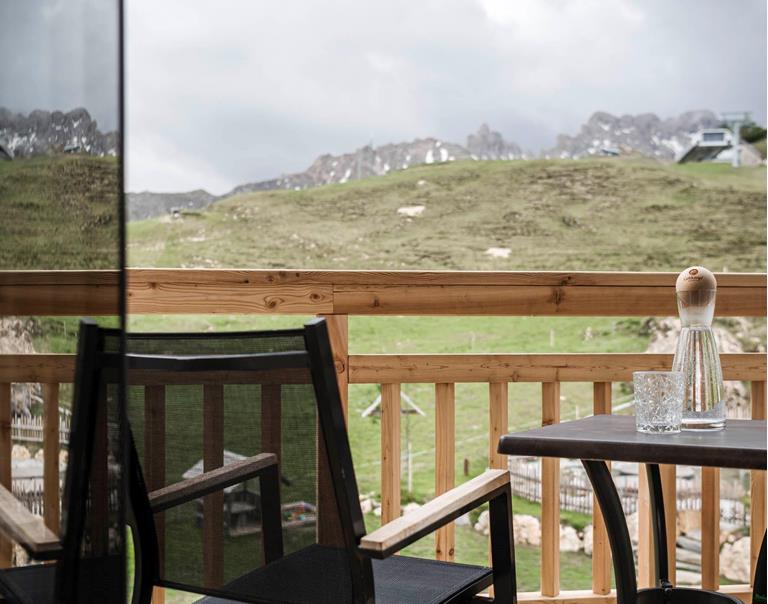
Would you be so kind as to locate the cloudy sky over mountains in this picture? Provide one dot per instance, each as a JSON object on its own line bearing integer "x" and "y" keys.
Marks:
{"x": 221, "y": 93}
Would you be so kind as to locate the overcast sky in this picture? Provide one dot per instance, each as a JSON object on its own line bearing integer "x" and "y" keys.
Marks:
{"x": 226, "y": 92}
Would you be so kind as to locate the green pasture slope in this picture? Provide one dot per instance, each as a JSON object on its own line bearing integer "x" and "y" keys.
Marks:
{"x": 58, "y": 213}
{"x": 552, "y": 215}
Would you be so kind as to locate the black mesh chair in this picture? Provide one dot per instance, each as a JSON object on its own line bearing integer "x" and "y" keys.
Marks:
{"x": 89, "y": 556}
{"x": 235, "y": 435}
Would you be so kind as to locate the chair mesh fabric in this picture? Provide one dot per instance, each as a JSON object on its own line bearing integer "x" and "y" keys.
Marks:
{"x": 325, "y": 579}
{"x": 187, "y": 423}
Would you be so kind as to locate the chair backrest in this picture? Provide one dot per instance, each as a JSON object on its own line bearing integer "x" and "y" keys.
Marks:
{"x": 92, "y": 567}
{"x": 204, "y": 400}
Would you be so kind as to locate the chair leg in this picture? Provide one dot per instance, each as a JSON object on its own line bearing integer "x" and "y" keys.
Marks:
{"x": 503, "y": 547}
{"x": 271, "y": 514}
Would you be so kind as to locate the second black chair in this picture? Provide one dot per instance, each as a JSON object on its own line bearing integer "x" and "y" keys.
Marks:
{"x": 252, "y": 496}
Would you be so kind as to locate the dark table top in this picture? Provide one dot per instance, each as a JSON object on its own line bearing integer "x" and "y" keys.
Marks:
{"x": 613, "y": 438}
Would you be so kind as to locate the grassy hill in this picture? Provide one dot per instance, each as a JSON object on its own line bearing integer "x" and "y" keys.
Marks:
{"x": 555, "y": 215}
{"x": 58, "y": 213}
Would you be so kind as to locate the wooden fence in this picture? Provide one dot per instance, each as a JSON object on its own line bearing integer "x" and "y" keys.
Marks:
{"x": 340, "y": 294}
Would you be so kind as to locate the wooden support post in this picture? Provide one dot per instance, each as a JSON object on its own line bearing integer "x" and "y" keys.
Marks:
{"x": 646, "y": 573}
{"x": 757, "y": 487}
{"x": 710, "y": 528}
{"x": 390, "y": 452}
{"x": 669, "y": 490}
{"x": 550, "y": 498}
{"x": 51, "y": 456}
{"x": 6, "y": 547}
{"x": 498, "y": 422}
{"x": 213, "y": 504}
{"x": 329, "y": 530}
{"x": 445, "y": 462}
{"x": 154, "y": 466}
{"x": 601, "y": 549}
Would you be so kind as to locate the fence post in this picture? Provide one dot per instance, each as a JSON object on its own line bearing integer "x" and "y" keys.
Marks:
{"x": 390, "y": 452}
{"x": 601, "y": 549}
{"x": 550, "y": 498}
{"x": 6, "y": 547}
{"x": 445, "y": 462}
{"x": 757, "y": 486}
{"x": 51, "y": 456}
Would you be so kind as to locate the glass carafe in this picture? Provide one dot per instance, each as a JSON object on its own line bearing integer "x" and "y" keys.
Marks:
{"x": 696, "y": 355}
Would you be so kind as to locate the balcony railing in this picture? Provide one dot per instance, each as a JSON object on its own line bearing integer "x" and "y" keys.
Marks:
{"x": 340, "y": 294}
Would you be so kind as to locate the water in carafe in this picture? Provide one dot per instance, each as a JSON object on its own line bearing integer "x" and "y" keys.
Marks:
{"x": 696, "y": 355}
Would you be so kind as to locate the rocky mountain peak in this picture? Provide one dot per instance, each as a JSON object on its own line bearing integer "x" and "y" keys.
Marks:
{"x": 644, "y": 134}
{"x": 45, "y": 132}
{"x": 489, "y": 144}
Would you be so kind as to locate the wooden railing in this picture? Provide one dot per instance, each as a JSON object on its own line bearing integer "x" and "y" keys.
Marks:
{"x": 340, "y": 294}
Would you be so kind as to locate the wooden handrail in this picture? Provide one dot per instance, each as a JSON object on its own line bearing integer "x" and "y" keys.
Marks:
{"x": 232, "y": 291}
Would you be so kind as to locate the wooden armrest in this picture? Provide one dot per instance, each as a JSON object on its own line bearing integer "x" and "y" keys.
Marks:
{"x": 211, "y": 481}
{"x": 403, "y": 531}
{"x": 28, "y": 530}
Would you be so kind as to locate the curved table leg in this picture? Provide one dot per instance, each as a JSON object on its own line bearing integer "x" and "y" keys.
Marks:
{"x": 659, "y": 525}
{"x": 616, "y": 527}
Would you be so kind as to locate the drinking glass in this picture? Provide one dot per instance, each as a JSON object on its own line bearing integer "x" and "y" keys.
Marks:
{"x": 659, "y": 400}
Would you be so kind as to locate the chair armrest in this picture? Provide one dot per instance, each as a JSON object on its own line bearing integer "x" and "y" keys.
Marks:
{"x": 26, "y": 529}
{"x": 444, "y": 508}
{"x": 210, "y": 482}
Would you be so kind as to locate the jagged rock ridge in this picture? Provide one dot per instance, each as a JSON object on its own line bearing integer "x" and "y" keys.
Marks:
{"x": 369, "y": 161}
{"x": 46, "y": 132}
{"x": 643, "y": 134}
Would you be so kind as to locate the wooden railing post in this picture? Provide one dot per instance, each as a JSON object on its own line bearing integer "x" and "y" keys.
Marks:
{"x": 550, "y": 498}
{"x": 51, "y": 456}
{"x": 710, "y": 528}
{"x": 154, "y": 465}
{"x": 646, "y": 575}
{"x": 498, "y": 422}
{"x": 213, "y": 504}
{"x": 669, "y": 491}
{"x": 757, "y": 486}
{"x": 6, "y": 547}
{"x": 445, "y": 462}
{"x": 329, "y": 530}
{"x": 390, "y": 452}
{"x": 601, "y": 549}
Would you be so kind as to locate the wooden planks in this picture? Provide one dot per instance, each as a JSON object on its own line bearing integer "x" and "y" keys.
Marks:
{"x": 6, "y": 547}
{"x": 59, "y": 293}
{"x": 51, "y": 456}
{"x": 550, "y": 497}
{"x": 757, "y": 485}
{"x": 602, "y": 571}
{"x": 574, "y": 367}
{"x": 213, "y": 504}
{"x": 710, "y": 528}
{"x": 390, "y": 452}
{"x": 364, "y": 292}
{"x": 445, "y": 462}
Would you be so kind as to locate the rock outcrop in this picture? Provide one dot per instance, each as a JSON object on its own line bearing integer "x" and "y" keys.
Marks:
{"x": 643, "y": 134}
{"x": 46, "y": 133}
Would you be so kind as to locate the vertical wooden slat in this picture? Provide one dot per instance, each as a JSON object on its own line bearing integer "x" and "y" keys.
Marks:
{"x": 669, "y": 490}
{"x": 646, "y": 573}
{"x": 329, "y": 530}
{"x": 445, "y": 462}
{"x": 6, "y": 547}
{"x": 213, "y": 504}
{"x": 550, "y": 498}
{"x": 154, "y": 465}
{"x": 757, "y": 486}
{"x": 601, "y": 549}
{"x": 498, "y": 422}
{"x": 51, "y": 456}
{"x": 271, "y": 419}
{"x": 710, "y": 528}
{"x": 390, "y": 452}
